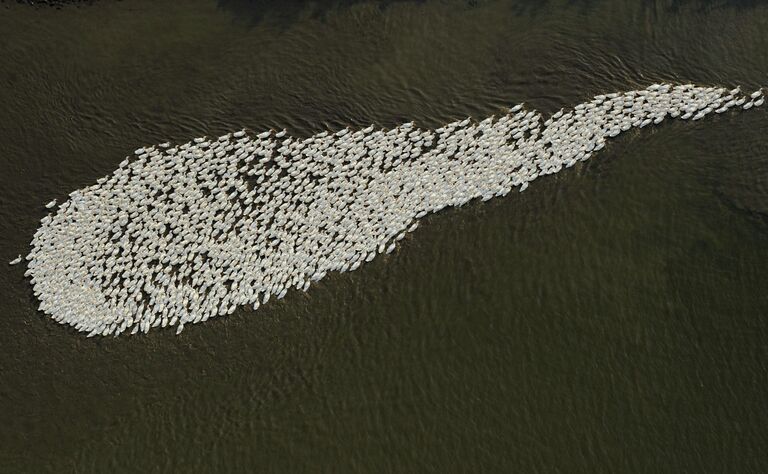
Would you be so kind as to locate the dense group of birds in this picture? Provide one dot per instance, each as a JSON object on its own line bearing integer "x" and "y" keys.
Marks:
{"x": 180, "y": 234}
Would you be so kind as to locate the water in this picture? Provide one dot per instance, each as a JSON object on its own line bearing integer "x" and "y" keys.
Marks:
{"x": 610, "y": 318}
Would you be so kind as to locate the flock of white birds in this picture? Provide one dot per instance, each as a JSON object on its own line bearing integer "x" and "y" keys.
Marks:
{"x": 180, "y": 234}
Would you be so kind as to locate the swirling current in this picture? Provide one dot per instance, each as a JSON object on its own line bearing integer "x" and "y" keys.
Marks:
{"x": 178, "y": 234}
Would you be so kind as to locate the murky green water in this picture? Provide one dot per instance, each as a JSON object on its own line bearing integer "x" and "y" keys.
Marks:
{"x": 612, "y": 318}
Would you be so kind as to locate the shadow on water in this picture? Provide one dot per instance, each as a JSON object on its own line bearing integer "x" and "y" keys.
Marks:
{"x": 285, "y": 12}
{"x": 705, "y": 5}
{"x": 533, "y": 7}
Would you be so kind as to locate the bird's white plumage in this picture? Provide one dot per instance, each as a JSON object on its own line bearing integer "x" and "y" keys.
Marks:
{"x": 180, "y": 234}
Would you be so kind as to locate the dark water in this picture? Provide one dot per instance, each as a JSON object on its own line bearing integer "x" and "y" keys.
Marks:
{"x": 612, "y": 318}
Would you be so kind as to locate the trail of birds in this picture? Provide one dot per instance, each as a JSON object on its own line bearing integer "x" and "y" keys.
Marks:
{"x": 177, "y": 235}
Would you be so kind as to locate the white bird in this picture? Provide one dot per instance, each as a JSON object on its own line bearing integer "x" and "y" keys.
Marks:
{"x": 15, "y": 261}
{"x": 181, "y": 235}
{"x": 50, "y": 204}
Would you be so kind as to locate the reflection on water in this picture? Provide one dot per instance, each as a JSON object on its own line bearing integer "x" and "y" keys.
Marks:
{"x": 609, "y": 318}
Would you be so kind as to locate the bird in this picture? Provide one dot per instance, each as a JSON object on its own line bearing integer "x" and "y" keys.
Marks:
{"x": 181, "y": 234}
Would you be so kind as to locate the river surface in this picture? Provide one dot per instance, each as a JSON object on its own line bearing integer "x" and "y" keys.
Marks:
{"x": 612, "y": 318}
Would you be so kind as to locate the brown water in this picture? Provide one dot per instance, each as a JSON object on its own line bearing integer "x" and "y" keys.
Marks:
{"x": 613, "y": 317}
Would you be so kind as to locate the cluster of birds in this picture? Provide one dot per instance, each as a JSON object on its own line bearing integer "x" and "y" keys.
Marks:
{"x": 180, "y": 234}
